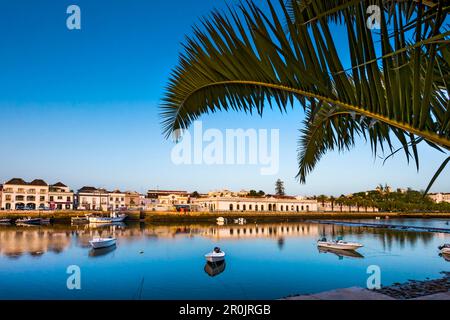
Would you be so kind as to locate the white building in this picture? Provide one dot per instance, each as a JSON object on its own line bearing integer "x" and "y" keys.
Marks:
{"x": 248, "y": 204}
{"x": 90, "y": 198}
{"x": 117, "y": 200}
{"x": 440, "y": 197}
{"x": 60, "y": 197}
{"x": 19, "y": 194}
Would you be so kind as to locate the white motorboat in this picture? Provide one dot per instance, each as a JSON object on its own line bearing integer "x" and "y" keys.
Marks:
{"x": 216, "y": 256}
{"x": 99, "y": 243}
{"x": 34, "y": 221}
{"x": 113, "y": 218}
{"x": 445, "y": 249}
{"x": 339, "y": 245}
{"x": 5, "y": 221}
{"x": 79, "y": 220}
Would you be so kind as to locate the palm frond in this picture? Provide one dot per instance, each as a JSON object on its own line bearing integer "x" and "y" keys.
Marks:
{"x": 394, "y": 92}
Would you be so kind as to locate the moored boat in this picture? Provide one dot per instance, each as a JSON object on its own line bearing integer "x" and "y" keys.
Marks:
{"x": 339, "y": 244}
{"x": 79, "y": 220}
{"x": 99, "y": 243}
{"x": 34, "y": 221}
{"x": 5, "y": 221}
{"x": 216, "y": 256}
{"x": 113, "y": 218}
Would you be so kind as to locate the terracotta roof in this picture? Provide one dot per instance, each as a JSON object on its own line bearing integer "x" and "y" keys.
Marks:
{"x": 59, "y": 184}
{"x": 87, "y": 189}
{"x": 38, "y": 182}
{"x": 17, "y": 181}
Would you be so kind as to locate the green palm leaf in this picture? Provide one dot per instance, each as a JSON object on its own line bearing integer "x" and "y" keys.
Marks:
{"x": 394, "y": 92}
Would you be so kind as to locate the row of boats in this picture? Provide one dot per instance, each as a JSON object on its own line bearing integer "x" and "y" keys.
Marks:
{"x": 26, "y": 221}
{"x": 114, "y": 217}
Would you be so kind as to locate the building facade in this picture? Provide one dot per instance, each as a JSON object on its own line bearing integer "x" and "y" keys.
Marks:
{"x": 90, "y": 198}
{"x": 60, "y": 197}
{"x": 134, "y": 200}
{"x": 116, "y": 200}
{"x": 18, "y": 194}
{"x": 440, "y": 197}
{"x": 261, "y": 204}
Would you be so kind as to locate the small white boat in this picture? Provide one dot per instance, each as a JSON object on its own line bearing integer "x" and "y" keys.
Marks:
{"x": 339, "y": 245}
{"x": 445, "y": 249}
{"x": 5, "y": 221}
{"x": 113, "y": 218}
{"x": 79, "y": 220}
{"x": 99, "y": 243}
{"x": 34, "y": 221}
{"x": 216, "y": 256}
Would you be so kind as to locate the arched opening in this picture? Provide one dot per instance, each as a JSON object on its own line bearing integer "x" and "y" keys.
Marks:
{"x": 244, "y": 207}
{"x": 307, "y": 208}
{"x": 8, "y": 206}
{"x": 298, "y": 209}
{"x": 20, "y": 206}
{"x": 270, "y": 207}
{"x": 231, "y": 207}
{"x": 256, "y": 207}
{"x": 31, "y": 206}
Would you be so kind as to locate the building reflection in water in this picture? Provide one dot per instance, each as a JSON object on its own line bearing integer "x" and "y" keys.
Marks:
{"x": 35, "y": 241}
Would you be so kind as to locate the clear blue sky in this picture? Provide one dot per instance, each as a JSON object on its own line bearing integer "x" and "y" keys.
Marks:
{"x": 82, "y": 106}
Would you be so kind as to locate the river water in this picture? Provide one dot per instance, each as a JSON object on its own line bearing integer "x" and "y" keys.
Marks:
{"x": 264, "y": 261}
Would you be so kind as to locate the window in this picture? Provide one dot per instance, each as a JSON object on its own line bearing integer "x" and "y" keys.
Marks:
{"x": 20, "y": 198}
{"x": 231, "y": 207}
{"x": 60, "y": 197}
{"x": 262, "y": 208}
{"x": 250, "y": 207}
{"x": 238, "y": 207}
{"x": 51, "y": 198}
{"x": 8, "y": 197}
{"x": 68, "y": 199}
{"x": 42, "y": 198}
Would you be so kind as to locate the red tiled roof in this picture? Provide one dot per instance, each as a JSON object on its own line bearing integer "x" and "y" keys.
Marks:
{"x": 59, "y": 184}
{"x": 38, "y": 182}
{"x": 17, "y": 181}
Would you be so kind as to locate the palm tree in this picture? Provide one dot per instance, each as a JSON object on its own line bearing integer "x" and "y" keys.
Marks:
{"x": 394, "y": 90}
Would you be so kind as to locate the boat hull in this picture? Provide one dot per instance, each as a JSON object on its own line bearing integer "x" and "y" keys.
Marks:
{"x": 215, "y": 257}
{"x": 340, "y": 246}
{"x": 102, "y": 243}
{"x": 446, "y": 251}
{"x": 107, "y": 220}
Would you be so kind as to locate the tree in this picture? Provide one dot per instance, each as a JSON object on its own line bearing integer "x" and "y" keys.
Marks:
{"x": 195, "y": 194}
{"x": 393, "y": 92}
{"x": 261, "y": 193}
{"x": 253, "y": 193}
{"x": 279, "y": 188}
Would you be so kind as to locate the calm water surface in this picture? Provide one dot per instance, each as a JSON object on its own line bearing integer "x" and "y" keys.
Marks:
{"x": 264, "y": 261}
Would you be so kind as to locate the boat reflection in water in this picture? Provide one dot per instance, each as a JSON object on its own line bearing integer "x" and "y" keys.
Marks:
{"x": 213, "y": 269}
{"x": 445, "y": 256}
{"x": 95, "y": 253}
{"x": 342, "y": 253}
